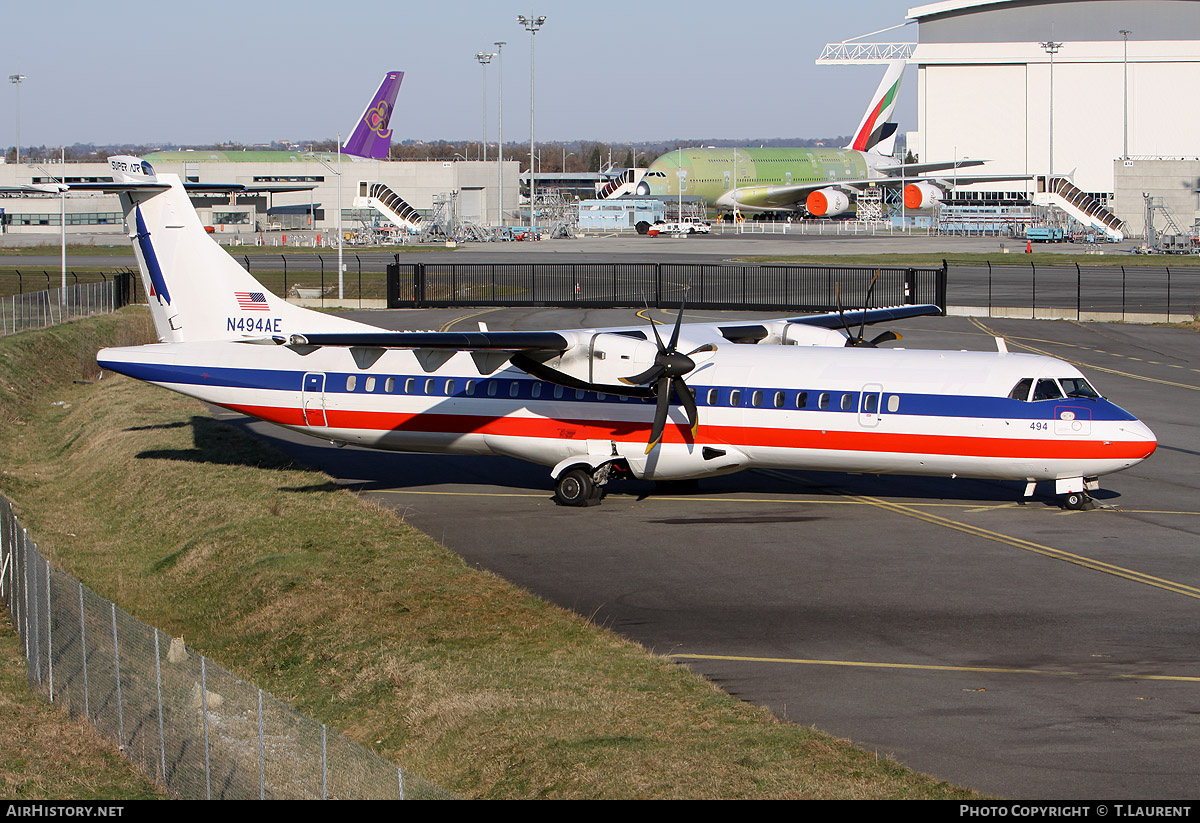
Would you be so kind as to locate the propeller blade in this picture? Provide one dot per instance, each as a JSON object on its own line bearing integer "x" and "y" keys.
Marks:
{"x": 885, "y": 337}
{"x": 663, "y": 388}
{"x": 862, "y": 327}
{"x": 684, "y": 393}
{"x": 704, "y": 348}
{"x": 648, "y": 376}
{"x": 678, "y": 323}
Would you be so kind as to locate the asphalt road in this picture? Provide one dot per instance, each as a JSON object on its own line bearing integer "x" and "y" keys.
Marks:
{"x": 1001, "y": 644}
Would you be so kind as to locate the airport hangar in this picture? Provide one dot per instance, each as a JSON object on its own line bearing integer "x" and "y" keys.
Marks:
{"x": 1124, "y": 118}
{"x": 475, "y": 185}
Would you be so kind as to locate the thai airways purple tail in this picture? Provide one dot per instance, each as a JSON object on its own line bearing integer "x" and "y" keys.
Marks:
{"x": 372, "y": 137}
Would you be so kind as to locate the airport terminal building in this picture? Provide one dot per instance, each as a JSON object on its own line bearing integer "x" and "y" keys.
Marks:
{"x": 1110, "y": 84}
{"x": 297, "y": 191}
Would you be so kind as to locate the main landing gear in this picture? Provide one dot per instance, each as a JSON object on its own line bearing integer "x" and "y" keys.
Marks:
{"x": 1077, "y": 501}
{"x": 582, "y": 485}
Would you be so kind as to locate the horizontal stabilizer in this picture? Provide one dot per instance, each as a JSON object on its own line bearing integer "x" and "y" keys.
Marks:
{"x": 462, "y": 341}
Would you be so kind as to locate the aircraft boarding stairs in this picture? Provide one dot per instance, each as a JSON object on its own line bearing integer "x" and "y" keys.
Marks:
{"x": 1063, "y": 194}
{"x": 622, "y": 184}
{"x": 389, "y": 204}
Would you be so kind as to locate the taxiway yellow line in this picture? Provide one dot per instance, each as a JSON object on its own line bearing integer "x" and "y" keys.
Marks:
{"x": 1019, "y": 543}
{"x": 1130, "y": 375}
{"x": 928, "y": 667}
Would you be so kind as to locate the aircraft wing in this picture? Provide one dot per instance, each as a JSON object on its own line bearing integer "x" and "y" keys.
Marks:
{"x": 458, "y": 341}
{"x": 922, "y": 168}
{"x": 859, "y": 317}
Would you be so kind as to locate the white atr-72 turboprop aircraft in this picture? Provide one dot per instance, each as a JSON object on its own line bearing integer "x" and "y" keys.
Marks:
{"x": 797, "y": 393}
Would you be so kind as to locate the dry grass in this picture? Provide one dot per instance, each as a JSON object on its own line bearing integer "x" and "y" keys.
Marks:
{"x": 361, "y": 622}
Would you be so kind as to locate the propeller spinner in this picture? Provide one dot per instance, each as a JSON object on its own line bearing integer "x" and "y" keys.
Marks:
{"x": 666, "y": 375}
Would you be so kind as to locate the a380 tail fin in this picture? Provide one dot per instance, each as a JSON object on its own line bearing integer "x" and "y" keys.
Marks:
{"x": 876, "y": 133}
{"x": 372, "y": 137}
{"x": 196, "y": 291}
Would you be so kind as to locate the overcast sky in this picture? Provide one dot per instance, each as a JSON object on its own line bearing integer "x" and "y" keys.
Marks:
{"x": 176, "y": 73}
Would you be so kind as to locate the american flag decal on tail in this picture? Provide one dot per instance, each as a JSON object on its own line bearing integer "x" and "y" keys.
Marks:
{"x": 252, "y": 301}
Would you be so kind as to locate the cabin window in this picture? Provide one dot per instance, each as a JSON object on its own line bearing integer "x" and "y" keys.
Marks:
{"x": 449, "y": 388}
{"x": 579, "y": 393}
{"x": 350, "y": 381}
{"x": 514, "y": 388}
{"x": 870, "y": 403}
{"x": 713, "y": 396}
{"x": 1021, "y": 390}
{"x": 370, "y": 384}
{"x": 409, "y": 386}
{"x": 801, "y": 399}
{"x": 847, "y": 402}
{"x": 823, "y": 400}
{"x": 893, "y": 402}
{"x": 756, "y": 399}
{"x": 471, "y": 388}
{"x": 389, "y": 385}
{"x": 492, "y": 387}
{"x": 735, "y": 397}
{"x": 536, "y": 390}
{"x": 430, "y": 386}
{"x": 558, "y": 392}
{"x": 780, "y": 399}
{"x": 1047, "y": 389}
{"x": 600, "y": 396}
{"x": 1078, "y": 387}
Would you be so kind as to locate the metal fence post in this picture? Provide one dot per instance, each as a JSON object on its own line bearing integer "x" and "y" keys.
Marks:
{"x": 204, "y": 716}
{"x": 117, "y": 669}
{"x": 262, "y": 769}
{"x": 87, "y": 710}
{"x": 49, "y": 636}
{"x": 162, "y": 738}
{"x": 324, "y": 765}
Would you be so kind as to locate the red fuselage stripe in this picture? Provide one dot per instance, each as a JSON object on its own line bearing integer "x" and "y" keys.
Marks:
{"x": 631, "y": 431}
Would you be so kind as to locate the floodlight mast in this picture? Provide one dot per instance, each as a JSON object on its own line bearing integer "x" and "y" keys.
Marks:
{"x": 532, "y": 25}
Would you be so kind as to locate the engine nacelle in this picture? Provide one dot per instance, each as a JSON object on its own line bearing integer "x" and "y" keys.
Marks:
{"x": 922, "y": 196}
{"x": 827, "y": 202}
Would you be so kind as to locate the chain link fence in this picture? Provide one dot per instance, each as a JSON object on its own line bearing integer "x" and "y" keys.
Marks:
{"x": 37, "y": 310}
{"x": 182, "y": 719}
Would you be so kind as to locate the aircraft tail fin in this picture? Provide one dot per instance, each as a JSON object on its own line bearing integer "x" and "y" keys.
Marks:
{"x": 196, "y": 291}
{"x": 875, "y": 132}
{"x": 372, "y": 138}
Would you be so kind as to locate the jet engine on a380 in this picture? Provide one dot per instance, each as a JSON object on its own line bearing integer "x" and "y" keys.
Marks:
{"x": 827, "y": 202}
{"x": 922, "y": 196}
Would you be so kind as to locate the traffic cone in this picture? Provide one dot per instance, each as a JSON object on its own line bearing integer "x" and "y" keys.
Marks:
{"x": 1029, "y": 247}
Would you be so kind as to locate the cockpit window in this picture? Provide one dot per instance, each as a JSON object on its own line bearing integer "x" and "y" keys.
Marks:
{"x": 1021, "y": 390}
{"x": 1047, "y": 389}
{"x": 1078, "y": 387}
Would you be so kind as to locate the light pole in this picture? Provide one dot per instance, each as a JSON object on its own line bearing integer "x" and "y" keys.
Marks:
{"x": 531, "y": 24}
{"x": 484, "y": 57}
{"x": 16, "y": 79}
{"x": 1051, "y": 48}
{"x": 500, "y": 44}
{"x": 1125, "y": 104}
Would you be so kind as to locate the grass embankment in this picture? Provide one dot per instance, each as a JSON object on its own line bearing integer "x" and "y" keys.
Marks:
{"x": 339, "y": 608}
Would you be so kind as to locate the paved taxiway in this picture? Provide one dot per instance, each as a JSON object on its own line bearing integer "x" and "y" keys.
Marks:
{"x": 1009, "y": 646}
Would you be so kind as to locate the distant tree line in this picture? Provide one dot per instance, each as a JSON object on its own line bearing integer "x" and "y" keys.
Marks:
{"x": 553, "y": 157}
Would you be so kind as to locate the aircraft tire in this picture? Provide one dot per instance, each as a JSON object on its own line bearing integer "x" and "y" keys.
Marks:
{"x": 1076, "y": 501}
{"x": 642, "y": 227}
{"x": 575, "y": 487}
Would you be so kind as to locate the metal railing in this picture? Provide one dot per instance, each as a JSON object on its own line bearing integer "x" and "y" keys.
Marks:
{"x": 37, "y": 310}
{"x": 182, "y": 719}
{"x": 784, "y": 288}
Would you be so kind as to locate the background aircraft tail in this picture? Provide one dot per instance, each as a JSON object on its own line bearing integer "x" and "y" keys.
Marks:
{"x": 196, "y": 291}
{"x": 876, "y": 133}
{"x": 372, "y": 137}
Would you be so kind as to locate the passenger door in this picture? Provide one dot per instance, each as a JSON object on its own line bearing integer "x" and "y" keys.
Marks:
{"x": 312, "y": 399}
